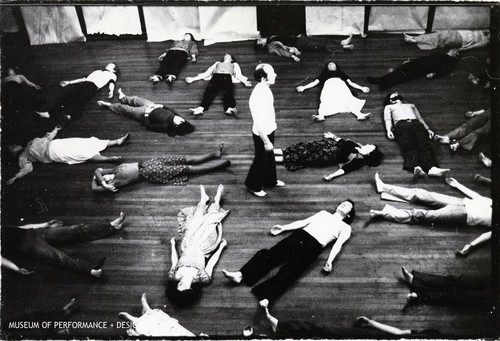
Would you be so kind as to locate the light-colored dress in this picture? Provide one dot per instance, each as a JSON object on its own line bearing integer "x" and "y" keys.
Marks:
{"x": 466, "y": 39}
{"x": 200, "y": 228}
{"x": 157, "y": 323}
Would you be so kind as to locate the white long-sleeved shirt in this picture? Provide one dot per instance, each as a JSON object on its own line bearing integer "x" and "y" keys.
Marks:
{"x": 261, "y": 104}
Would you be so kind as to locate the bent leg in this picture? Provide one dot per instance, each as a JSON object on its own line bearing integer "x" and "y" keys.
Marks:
{"x": 469, "y": 141}
{"x": 77, "y": 233}
{"x": 422, "y": 196}
{"x": 50, "y": 254}
{"x": 136, "y": 101}
{"x": 128, "y": 111}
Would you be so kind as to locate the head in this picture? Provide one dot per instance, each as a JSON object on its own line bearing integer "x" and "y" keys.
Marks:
{"x": 15, "y": 149}
{"x": 265, "y": 73}
{"x": 9, "y": 71}
{"x": 372, "y": 155}
{"x": 188, "y": 37}
{"x": 228, "y": 58}
{"x": 183, "y": 298}
{"x": 331, "y": 66}
{"x": 112, "y": 68}
{"x": 455, "y": 53}
{"x": 181, "y": 126}
{"x": 392, "y": 98}
{"x": 346, "y": 209}
{"x": 260, "y": 43}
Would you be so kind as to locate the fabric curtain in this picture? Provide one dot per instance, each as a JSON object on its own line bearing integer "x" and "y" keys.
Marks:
{"x": 398, "y": 18}
{"x": 228, "y": 23}
{"x": 7, "y": 20}
{"x": 116, "y": 20}
{"x": 334, "y": 20}
{"x": 164, "y": 23}
{"x": 462, "y": 17}
{"x": 52, "y": 24}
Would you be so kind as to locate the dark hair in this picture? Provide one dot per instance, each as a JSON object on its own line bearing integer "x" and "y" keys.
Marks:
{"x": 331, "y": 61}
{"x": 374, "y": 158}
{"x": 183, "y": 298}
{"x": 387, "y": 99}
{"x": 259, "y": 73}
{"x": 183, "y": 129}
{"x": 258, "y": 47}
{"x": 192, "y": 36}
{"x": 350, "y": 217}
{"x": 5, "y": 70}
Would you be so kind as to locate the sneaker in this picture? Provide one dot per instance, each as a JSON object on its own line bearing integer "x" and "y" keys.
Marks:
{"x": 231, "y": 111}
{"x": 155, "y": 79}
{"x": 259, "y": 194}
{"x": 280, "y": 183}
{"x": 197, "y": 111}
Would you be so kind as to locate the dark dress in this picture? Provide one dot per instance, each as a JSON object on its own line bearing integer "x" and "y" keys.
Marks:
{"x": 19, "y": 98}
{"x": 317, "y": 153}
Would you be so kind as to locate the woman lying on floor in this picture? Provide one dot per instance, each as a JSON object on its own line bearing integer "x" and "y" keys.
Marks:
{"x": 331, "y": 150}
{"x": 171, "y": 170}
{"x": 155, "y": 117}
{"x": 70, "y": 150}
{"x": 336, "y": 96}
{"x": 221, "y": 77}
{"x": 201, "y": 245}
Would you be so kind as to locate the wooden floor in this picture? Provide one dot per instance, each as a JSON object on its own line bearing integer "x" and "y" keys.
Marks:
{"x": 365, "y": 279}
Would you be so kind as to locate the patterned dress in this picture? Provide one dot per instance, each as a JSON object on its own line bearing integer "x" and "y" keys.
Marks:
{"x": 317, "y": 153}
{"x": 200, "y": 228}
{"x": 171, "y": 170}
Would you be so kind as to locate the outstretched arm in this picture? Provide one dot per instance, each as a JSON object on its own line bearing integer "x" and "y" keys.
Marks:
{"x": 111, "y": 88}
{"x": 203, "y": 75}
{"x": 26, "y": 168}
{"x": 277, "y": 229}
{"x": 388, "y": 122}
{"x": 308, "y": 85}
{"x": 26, "y": 81}
{"x": 74, "y": 81}
{"x": 421, "y": 120}
{"x": 239, "y": 76}
{"x": 364, "y": 89}
{"x": 215, "y": 258}
{"x": 365, "y": 322}
{"x": 468, "y": 192}
{"x": 345, "y": 234}
{"x": 8, "y": 264}
{"x": 51, "y": 135}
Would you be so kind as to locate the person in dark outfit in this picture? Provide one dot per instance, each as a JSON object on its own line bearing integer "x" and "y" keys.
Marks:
{"x": 38, "y": 240}
{"x": 78, "y": 92}
{"x": 433, "y": 65}
{"x": 297, "y": 251}
{"x": 19, "y": 94}
{"x": 155, "y": 117}
{"x": 447, "y": 289}
{"x": 404, "y": 123}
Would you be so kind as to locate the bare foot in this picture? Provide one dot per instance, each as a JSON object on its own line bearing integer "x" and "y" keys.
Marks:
{"x": 118, "y": 222}
{"x": 418, "y": 172}
{"x": 218, "y": 153}
{"x": 454, "y": 146}
{"x": 121, "y": 95}
{"x": 408, "y": 38}
{"x": 407, "y": 275}
{"x": 103, "y": 104}
{"x": 435, "y": 171}
{"x": 485, "y": 160}
{"x": 197, "y": 111}
{"x": 203, "y": 195}
{"x": 362, "y": 117}
{"x": 442, "y": 139}
{"x": 347, "y": 41}
{"x": 122, "y": 139}
{"x": 96, "y": 273}
{"x": 68, "y": 308}
{"x": 235, "y": 276}
{"x": 379, "y": 184}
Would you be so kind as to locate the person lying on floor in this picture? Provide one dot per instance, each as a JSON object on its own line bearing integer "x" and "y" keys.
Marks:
{"x": 71, "y": 151}
{"x": 201, "y": 246}
{"x": 431, "y": 66}
{"x": 169, "y": 170}
{"x": 78, "y": 92}
{"x": 475, "y": 210}
{"x": 39, "y": 242}
{"x": 336, "y": 96}
{"x": 293, "y": 46}
{"x": 469, "y": 134}
{"x": 463, "y": 39}
{"x": 404, "y": 124}
{"x": 221, "y": 77}
{"x": 331, "y": 150}
{"x": 154, "y": 117}
{"x": 19, "y": 95}
{"x": 452, "y": 290}
{"x": 297, "y": 251}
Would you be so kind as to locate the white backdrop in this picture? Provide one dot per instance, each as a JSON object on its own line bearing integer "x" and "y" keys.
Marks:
{"x": 163, "y": 23}
{"x": 461, "y": 17}
{"x": 218, "y": 24}
{"x": 52, "y": 24}
{"x": 334, "y": 19}
{"x": 112, "y": 19}
{"x": 398, "y": 18}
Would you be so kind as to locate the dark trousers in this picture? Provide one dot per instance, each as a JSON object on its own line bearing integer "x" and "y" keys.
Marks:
{"x": 172, "y": 63}
{"x": 297, "y": 251}
{"x": 450, "y": 290}
{"x": 72, "y": 100}
{"x": 403, "y": 73}
{"x": 413, "y": 140}
{"x": 475, "y": 130}
{"x": 308, "y": 43}
{"x": 219, "y": 82}
{"x": 39, "y": 243}
{"x": 262, "y": 172}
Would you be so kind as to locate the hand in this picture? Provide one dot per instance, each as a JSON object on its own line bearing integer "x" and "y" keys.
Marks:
{"x": 25, "y": 272}
{"x": 390, "y": 135}
{"x": 109, "y": 187}
{"x": 110, "y": 95}
{"x": 11, "y": 181}
{"x": 431, "y": 134}
{"x": 54, "y": 224}
{"x": 295, "y": 51}
{"x": 37, "y": 87}
{"x": 58, "y": 127}
{"x": 329, "y": 135}
{"x": 297, "y": 59}
{"x": 328, "y": 267}
{"x": 277, "y": 229}
{"x": 328, "y": 177}
{"x": 365, "y": 90}
{"x": 248, "y": 84}
{"x": 301, "y": 88}
{"x": 452, "y": 182}
{"x": 64, "y": 83}
{"x": 430, "y": 75}
{"x": 268, "y": 146}
{"x": 189, "y": 80}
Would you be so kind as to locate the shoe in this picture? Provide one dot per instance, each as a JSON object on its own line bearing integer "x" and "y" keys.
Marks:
{"x": 318, "y": 118}
{"x": 197, "y": 111}
{"x": 231, "y": 111}
{"x": 155, "y": 79}
{"x": 260, "y": 194}
{"x": 280, "y": 183}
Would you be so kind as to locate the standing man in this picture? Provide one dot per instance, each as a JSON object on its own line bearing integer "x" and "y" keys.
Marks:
{"x": 262, "y": 173}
